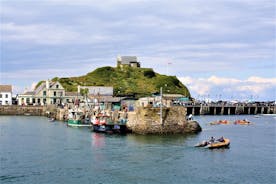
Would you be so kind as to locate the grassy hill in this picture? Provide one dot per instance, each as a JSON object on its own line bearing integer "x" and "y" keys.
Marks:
{"x": 127, "y": 81}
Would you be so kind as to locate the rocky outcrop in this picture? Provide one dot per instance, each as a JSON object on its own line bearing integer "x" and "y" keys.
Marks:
{"x": 148, "y": 121}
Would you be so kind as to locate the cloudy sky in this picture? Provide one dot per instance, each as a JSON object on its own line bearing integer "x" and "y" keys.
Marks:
{"x": 220, "y": 49}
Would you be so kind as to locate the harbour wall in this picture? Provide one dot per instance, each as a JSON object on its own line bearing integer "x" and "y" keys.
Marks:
{"x": 147, "y": 120}
{"x": 23, "y": 110}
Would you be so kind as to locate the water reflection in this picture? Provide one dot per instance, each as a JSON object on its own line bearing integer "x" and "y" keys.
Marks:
{"x": 160, "y": 139}
{"x": 98, "y": 140}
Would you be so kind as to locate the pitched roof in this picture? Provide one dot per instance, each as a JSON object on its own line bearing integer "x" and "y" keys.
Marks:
{"x": 72, "y": 94}
{"x": 106, "y": 98}
{"x": 127, "y": 59}
{"x": 29, "y": 93}
{"x": 5, "y": 88}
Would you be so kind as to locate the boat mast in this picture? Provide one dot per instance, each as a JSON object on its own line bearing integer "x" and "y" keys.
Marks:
{"x": 161, "y": 119}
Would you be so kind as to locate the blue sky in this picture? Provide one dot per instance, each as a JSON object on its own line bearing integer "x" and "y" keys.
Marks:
{"x": 218, "y": 48}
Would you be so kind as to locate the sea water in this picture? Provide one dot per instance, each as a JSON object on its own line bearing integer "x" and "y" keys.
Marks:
{"x": 34, "y": 150}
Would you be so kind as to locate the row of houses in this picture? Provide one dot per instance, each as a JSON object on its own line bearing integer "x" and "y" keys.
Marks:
{"x": 52, "y": 92}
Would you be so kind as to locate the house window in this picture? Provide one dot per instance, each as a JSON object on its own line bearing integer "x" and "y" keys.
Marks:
{"x": 57, "y": 86}
{"x": 55, "y": 93}
{"x": 0, "y": 102}
{"x": 33, "y": 100}
{"x": 7, "y": 103}
{"x": 54, "y": 101}
{"x": 44, "y": 93}
{"x": 28, "y": 100}
{"x": 44, "y": 100}
{"x": 0, "y": 95}
{"x": 38, "y": 100}
{"x": 7, "y": 95}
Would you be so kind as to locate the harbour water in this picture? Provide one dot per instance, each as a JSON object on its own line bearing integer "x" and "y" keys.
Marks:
{"x": 34, "y": 150}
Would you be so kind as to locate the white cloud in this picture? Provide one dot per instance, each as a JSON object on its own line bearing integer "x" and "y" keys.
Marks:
{"x": 37, "y": 33}
{"x": 253, "y": 88}
{"x": 229, "y": 88}
{"x": 255, "y": 79}
{"x": 49, "y": 34}
{"x": 222, "y": 81}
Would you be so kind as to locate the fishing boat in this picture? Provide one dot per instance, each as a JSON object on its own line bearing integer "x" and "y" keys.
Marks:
{"x": 75, "y": 119}
{"x": 120, "y": 126}
{"x": 224, "y": 143}
{"x": 100, "y": 122}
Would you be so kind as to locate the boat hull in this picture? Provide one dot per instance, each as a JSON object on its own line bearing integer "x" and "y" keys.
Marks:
{"x": 224, "y": 144}
{"x": 77, "y": 123}
{"x": 110, "y": 129}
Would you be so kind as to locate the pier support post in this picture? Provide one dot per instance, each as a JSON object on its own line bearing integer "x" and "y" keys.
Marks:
{"x": 249, "y": 109}
{"x": 229, "y": 111}
{"x": 262, "y": 110}
{"x": 193, "y": 111}
{"x": 222, "y": 110}
{"x": 215, "y": 111}
{"x": 256, "y": 110}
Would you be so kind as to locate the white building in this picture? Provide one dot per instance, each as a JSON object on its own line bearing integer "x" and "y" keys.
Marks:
{"x": 5, "y": 95}
{"x": 48, "y": 92}
{"x": 130, "y": 61}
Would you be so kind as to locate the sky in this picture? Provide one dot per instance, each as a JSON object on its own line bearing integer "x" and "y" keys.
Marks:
{"x": 219, "y": 49}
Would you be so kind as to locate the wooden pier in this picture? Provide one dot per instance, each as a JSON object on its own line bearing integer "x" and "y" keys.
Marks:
{"x": 230, "y": 109}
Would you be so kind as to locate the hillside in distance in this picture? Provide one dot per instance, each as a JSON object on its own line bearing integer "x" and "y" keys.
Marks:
{"x": 127, "y": 81}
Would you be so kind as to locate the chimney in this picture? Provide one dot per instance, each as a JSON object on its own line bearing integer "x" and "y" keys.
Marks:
{"x": 47, "y": 84}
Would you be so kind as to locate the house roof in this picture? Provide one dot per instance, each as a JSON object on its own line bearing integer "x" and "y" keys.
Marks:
{"x": 173, "y": 95}
{"x": 127, "y": 59}
{"x": 72, "y": 94}
{"x": 5, "y": 88}
{"x": 29, "y": 93}
{"x": 107, "y": 98}
{"x": 99, "y": 90}
{"x": 52, "y": 83}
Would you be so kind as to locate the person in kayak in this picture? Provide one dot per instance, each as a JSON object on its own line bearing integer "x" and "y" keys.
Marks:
{"x": 221, "y": 139}
{"x": 212, "y": 139}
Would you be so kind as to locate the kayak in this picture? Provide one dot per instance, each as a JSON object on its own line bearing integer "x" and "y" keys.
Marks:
{"x": 220, "y": 122}
{"x": 242, "y": 122}
{"x": 219, "y": 144}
